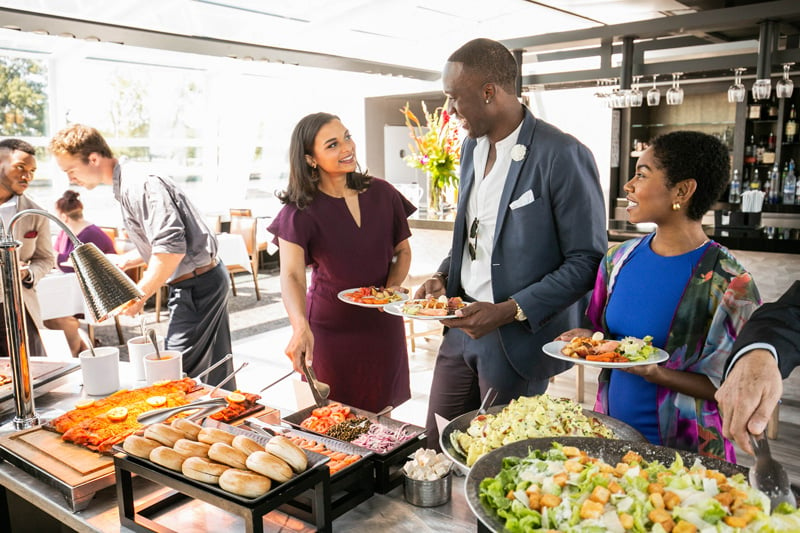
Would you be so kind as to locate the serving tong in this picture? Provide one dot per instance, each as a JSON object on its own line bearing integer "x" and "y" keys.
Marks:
{"x": 207, "y": 403}
{"x": 768, "y": 475}
{"x": 319, "y": 390}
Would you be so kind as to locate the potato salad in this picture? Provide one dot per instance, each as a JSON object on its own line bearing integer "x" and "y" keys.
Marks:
{"x": 524, "y": 418}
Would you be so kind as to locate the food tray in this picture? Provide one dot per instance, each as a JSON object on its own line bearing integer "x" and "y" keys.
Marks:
{"x": 315, "y": 480}
{"x": 314, "y": 460}
{"x": 45, "y": 376}
{"x": 622, "y": 431}
{"x": 388, "y": 465}
{"x": 297, "y": 417}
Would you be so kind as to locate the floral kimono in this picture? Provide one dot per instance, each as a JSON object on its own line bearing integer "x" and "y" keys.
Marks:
{"x": 717, "y": 301}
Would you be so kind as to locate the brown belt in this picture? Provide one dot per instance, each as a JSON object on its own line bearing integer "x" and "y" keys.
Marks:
{"x": 199, "y": 271}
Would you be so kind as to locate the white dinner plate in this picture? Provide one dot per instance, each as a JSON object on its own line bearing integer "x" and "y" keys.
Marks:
{"x": 396, "y": 308}
{"x": 342, "y": 296}
{"x": 553, "y": 349}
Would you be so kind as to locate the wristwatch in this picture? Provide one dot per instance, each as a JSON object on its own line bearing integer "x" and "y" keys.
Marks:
{"x": 520, "y": 315}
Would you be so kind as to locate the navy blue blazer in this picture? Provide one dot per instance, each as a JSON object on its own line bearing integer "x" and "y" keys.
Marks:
{"x": 546, "y": 252}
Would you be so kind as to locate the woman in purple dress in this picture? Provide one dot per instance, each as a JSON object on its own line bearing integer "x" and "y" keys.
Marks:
{"x": 352, "y": 230}
{"x": 70, "y": 210}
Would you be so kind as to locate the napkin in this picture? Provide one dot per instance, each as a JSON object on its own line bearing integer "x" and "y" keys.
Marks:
{"x": 752, "y": 201}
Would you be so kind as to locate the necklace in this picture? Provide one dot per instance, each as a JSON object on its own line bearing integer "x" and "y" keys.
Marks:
{"x": 702, "y": 244}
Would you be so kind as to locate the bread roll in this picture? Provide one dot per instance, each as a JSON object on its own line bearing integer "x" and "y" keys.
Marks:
{"x": 212, "y": 435}
{"x": 290, "y": 452}
{"x": 244, "y": 483}
{"x": 190, "y": 448}
{"x": 139, "y": 446}
{"x": 166, "y": 435}
{"x": 227, "y": 455}
{"x": 189, "y": 428}
{"x": 203, "y": 470}
{"x": 246, "y": 444}
{"x": 167, "y": 457}
{"x": 267, "y": 464}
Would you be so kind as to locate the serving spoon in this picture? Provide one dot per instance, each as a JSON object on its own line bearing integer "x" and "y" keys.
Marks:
{"x": 767, "y": 474}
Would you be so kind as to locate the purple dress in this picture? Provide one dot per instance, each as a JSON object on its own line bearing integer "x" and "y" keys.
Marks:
{"x": 360, "y": 352}
{"x": 90, "y": 233}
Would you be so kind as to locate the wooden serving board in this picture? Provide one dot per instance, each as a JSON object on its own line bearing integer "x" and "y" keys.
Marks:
{"x": 74, "y": 471}
{"x": 72, "y": 464}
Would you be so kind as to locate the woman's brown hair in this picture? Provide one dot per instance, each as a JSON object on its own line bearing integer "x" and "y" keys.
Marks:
{"x": 303, "y": 179}
{"x": 70, "y": 205}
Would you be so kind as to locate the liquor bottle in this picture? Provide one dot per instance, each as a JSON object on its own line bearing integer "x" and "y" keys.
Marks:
{"x": 755, "y": 182}
{"x": 735, "y": 192}
{"x": 771, "y": 186}
{"x": 790, "y": 185}
{"x": 791, "y": 126}
{"x": 760, "y": 149}
{"x": 750, "y": 151}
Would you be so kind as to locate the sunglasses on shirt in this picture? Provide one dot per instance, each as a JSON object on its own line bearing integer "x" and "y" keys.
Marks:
{"x": 473, "y": 243}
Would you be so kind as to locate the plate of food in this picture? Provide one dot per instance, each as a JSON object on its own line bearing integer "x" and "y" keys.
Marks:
{"x": 605, "y": 353}
{"x": 374, "y": 297}
{"x": 427, "y": 308}
{"x": 588, "y": 484}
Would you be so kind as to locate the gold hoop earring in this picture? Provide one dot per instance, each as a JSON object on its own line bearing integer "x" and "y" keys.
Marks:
{"x": 676, "y": 206}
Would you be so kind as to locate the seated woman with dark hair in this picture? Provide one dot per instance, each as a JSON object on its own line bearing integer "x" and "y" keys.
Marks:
{"x": 681, "y": 288}
{"x": 69, "y": 209}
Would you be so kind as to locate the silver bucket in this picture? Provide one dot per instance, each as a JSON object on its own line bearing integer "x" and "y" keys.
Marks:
{"x": 428, "y": 493}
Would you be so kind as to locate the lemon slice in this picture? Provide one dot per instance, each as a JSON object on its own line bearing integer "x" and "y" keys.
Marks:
{"x": 157, "y": 401}
{"x": 161, "y": 382}
{"x": 117, "y": 414}
{"x": 235, "y": 397}
{"x": 83, "y": 404}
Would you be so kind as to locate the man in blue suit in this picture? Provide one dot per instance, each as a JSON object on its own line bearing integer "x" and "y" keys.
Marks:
{"x": 529, "y": 234}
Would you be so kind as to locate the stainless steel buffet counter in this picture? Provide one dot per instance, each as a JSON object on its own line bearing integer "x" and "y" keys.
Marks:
{"x": 387, "y": 512}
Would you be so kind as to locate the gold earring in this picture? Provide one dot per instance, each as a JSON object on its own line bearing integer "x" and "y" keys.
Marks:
{"x": 676, "y": 206}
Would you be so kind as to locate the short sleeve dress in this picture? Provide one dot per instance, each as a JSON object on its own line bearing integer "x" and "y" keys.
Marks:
{"x": 360, "y": 352}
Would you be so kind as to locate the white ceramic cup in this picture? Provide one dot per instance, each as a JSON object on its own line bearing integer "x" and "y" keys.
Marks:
{"x": 100, "y": 372}
{"x": 138, "y": 347}
{"x": 169, "y": 367}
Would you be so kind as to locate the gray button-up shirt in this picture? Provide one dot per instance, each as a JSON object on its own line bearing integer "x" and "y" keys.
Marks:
{"x": 161, "y": 219}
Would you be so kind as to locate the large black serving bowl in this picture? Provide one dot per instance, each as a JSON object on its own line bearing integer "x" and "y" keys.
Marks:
{"x": 609, "y": 450}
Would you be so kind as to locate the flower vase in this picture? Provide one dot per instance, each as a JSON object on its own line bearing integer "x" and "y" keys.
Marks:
{"x": 435, "y": 198}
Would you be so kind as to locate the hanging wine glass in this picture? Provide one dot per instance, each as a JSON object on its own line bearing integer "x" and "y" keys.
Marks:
{"x": 785, "y": 86}
{"x": 653, "y": 95}
{"x": 635, "y": 95}
{"x": 675, "y": 93}
{"x": 761, "y": 89}
{"x": 737, "y": 91}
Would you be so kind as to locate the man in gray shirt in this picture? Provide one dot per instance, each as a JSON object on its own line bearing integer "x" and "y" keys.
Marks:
{"x": 170, "y": 236}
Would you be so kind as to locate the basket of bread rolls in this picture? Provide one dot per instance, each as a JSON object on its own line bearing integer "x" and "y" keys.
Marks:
{"x": 226, "y": 461}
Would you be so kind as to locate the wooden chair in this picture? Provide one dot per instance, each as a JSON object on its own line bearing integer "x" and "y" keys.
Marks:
{"x": 246, "y": 227}
{"x": 412, "y": 335}
{"x": 241, "y": 213}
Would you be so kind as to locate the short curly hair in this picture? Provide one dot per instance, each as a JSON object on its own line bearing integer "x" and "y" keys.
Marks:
{"x": 694, "y": 155}
{"x": 80, "y": 140}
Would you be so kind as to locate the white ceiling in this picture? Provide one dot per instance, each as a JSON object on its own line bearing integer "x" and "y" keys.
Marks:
{"x": 413, "y": 33}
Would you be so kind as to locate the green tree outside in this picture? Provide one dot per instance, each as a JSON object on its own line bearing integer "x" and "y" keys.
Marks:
{"x": 23, "y": 101}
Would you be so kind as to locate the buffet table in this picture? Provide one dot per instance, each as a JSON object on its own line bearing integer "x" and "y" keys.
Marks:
{"x": 389, "y": 512}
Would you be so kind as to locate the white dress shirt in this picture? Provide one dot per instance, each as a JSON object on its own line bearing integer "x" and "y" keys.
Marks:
{"x": 8, "y": 210}
{"x": 483, "y": 205}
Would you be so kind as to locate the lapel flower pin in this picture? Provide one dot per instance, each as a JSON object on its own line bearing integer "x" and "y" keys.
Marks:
{"x": 518, "y": 152}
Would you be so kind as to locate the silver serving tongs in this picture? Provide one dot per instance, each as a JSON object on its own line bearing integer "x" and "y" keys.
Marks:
{"x": 265, "y": 428}
{"x": 209, "y": 404}
{"x": 768, "y": 475}
{"x": 318, "y": 398}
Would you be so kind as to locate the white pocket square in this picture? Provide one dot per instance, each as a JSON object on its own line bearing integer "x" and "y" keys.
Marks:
{"x": 525, "y": 199}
